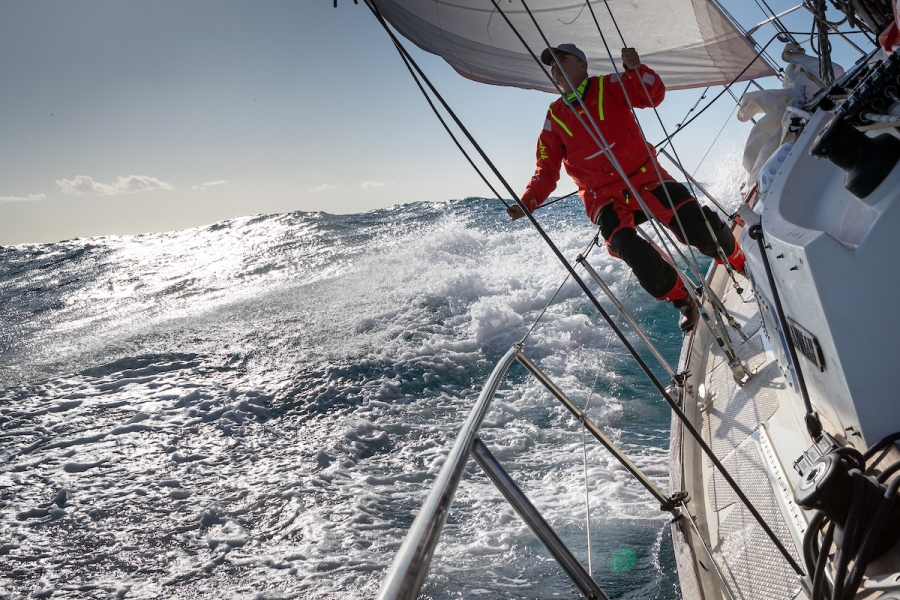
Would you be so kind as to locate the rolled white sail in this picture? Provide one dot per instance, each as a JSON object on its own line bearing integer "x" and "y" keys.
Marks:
{"x": 690, "y": 43}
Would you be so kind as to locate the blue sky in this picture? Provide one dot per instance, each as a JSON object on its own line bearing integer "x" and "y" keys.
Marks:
{"x": 130, "y": 117}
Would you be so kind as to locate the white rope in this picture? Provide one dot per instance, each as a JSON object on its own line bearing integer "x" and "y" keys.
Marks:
{"x": 587, "y": 499}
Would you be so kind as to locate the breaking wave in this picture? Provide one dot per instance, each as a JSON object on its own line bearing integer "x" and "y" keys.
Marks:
{"x": 257, "y": 408}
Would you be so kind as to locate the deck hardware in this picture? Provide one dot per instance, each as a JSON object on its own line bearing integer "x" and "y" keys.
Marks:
{"x": 704, "y": 404}
{"x": 806, "y": 343}
{"x": 835, "y": 486}
{"x": 823, "y": 445}
{"x": 813, "y": 424}
{"x": 739, "y": 371}
{"x": 866, "y": 161}
{"x": 854, "y": 432}
{"x": 675, "y": 500}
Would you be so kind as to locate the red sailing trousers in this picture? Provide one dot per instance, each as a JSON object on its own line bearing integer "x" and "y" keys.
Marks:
{"x": 617, "y": 220}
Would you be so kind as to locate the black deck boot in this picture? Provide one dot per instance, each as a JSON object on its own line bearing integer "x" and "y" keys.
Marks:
{"x": 689, "y": 312}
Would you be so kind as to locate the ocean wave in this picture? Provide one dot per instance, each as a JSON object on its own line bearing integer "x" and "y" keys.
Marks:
{"x": 257, "y": 407}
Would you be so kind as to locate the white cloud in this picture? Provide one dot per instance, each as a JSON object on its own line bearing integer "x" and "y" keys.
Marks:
{"x": 82, "y": 184}
{"x": 28, "y": 198}
{"x": 366, "y": 184}
{"x": 323, "y": 187}
{"x": 209, "y": 184}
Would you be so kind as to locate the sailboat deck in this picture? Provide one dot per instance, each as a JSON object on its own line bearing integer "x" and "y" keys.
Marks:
{"x": 735, "y": 422}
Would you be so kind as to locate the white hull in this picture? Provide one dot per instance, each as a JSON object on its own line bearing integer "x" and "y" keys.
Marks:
{"x": 834, "y": 261}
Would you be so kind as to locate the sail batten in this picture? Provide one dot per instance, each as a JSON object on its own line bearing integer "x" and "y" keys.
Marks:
{"x": 690, "y": 43}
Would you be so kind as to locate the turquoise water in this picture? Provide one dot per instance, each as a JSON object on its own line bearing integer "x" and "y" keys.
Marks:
{"x": 256, "y": 409}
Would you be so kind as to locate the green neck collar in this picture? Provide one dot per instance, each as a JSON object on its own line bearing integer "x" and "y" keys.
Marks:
{"x": 578, "y": 93}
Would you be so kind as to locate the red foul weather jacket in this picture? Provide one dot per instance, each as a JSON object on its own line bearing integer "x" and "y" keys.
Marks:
{"x": 565, "y": 140}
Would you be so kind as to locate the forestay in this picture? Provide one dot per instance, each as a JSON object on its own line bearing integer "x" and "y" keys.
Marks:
{"x": 690, "y": 43}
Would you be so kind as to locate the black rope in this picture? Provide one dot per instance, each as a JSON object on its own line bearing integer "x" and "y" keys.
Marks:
{"x": 593, "y": 299}
{"x": 813, "y": 425}
{"x": 870, "y": 507}
{"x": 880, "y": 445}
{"x": 650, "y": 375}
{"x": 447, "y": 127}
{"x": 459, "y": 123}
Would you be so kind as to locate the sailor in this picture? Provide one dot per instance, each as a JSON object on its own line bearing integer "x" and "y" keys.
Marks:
{"x": 607, "y": 198}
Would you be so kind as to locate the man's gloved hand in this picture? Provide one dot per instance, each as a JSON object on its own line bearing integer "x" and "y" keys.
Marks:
{"x": 515, "y": 211}
{"x": 630, "y": 59}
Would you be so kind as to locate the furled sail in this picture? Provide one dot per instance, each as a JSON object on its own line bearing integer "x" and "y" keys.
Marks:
{"x": 690, "y": 43}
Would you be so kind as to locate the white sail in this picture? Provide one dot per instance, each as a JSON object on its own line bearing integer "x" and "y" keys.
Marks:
{"x": 690, "y": 43}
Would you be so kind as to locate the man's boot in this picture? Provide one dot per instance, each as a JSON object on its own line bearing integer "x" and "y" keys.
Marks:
{"x": 689, "y": 312}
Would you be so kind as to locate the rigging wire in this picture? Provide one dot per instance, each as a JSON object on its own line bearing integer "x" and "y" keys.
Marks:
{"x": 643, "y": 365}
{"x": 447, "y": 127}
{"x": 776, "y": 20}
{"x": 555, "y": 200}
{"x": 719, "y": 249}
{"x": 686, "y": 422}
{"x": 768, "y": 58}
{"x": 719, "y": 95}
{"x": 727, "y": 121}
{"x": 587, "y": 498}
{"x": 690, "y": 110}
{"x": 586, "y": 252}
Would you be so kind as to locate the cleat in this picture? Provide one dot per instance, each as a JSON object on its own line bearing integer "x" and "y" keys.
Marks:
{"x": 689, "y": 313}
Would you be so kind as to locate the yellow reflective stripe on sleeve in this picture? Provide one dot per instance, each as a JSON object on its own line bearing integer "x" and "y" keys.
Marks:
{"x": 561, "y": 124}
{"x": 600, "y": 97}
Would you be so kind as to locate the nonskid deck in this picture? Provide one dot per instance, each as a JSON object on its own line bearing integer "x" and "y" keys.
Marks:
{"x": 738, "y": 423}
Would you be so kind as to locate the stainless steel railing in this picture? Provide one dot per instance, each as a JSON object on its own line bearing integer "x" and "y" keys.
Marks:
{"x": 407, "y": 572}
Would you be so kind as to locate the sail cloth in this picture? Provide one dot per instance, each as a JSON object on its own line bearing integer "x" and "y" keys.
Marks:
{"x": 690, "y": 43}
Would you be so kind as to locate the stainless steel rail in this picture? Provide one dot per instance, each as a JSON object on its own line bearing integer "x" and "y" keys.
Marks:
{"x": 594, "y": 430}
{"x": 410, "y": 566}
{"x": 696, "y": 183}
{"x": 624, "y": 312}
{"x": 536, "y": 522}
